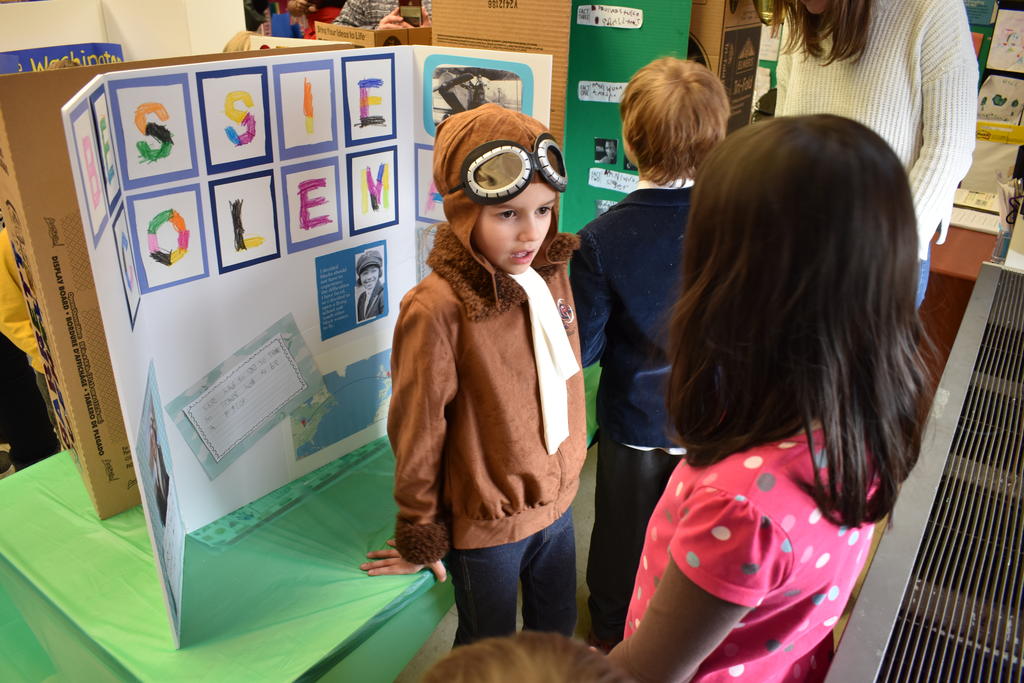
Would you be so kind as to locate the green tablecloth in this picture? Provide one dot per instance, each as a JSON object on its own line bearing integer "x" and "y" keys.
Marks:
{"x": 80, "y": 598}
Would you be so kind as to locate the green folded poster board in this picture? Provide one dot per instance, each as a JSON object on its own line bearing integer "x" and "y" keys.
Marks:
{"x": 604, "y": 52}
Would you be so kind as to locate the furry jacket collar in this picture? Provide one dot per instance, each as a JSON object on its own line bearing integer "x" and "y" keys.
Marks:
{"x": 484, "y": 293}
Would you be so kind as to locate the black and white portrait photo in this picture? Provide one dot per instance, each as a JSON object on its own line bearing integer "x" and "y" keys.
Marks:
{"x": 370, "y": 290}
{"x": 606, "y": 150}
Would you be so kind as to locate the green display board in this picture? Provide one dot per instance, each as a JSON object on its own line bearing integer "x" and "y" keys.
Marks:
{"x": 603, "y": 58}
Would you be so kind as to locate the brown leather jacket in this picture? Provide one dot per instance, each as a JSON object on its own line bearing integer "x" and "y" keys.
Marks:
{"x": 465, "y": 421}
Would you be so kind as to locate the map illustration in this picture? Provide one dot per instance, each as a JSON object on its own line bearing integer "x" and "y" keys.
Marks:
{"x": 348, "y": 403}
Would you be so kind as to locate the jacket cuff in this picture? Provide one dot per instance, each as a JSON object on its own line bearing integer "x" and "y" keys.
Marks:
{"x": 421, "y": 543}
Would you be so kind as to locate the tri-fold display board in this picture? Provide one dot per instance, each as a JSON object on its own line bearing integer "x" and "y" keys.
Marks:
{"x": 252, "y": 227}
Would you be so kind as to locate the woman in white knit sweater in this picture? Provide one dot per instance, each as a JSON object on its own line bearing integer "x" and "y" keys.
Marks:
{"x": 904, "y": 68}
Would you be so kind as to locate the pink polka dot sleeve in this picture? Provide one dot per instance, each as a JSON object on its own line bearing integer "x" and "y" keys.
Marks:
{"x": 727, "y": 547}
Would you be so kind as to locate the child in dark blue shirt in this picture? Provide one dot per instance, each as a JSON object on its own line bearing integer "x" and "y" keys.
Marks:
{"x": 625, "y": 279}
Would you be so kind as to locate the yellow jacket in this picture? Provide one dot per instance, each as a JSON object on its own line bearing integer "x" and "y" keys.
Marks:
{"x": 14, "y": 321}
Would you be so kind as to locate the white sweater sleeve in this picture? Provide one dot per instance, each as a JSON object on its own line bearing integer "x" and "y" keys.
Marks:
{"x": 949, "y": 109}
{"x": 782, "y": 70}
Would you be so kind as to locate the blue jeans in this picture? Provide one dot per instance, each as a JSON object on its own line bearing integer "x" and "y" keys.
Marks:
{"x": 486, "y": 582}
{"x": 922, "y": 281}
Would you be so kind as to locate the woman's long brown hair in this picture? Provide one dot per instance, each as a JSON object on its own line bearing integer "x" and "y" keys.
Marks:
{"x": 799, "y": 274}
{"x": 846, "y": 22}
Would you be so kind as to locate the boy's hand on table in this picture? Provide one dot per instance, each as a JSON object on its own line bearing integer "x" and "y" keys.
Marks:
{"x": 391, "y": 562}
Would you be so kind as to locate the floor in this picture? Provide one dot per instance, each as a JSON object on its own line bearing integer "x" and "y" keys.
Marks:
{"x": 440, "y": 642}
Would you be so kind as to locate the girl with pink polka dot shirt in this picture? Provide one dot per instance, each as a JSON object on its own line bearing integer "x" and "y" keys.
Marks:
{"x": 745, "y": 532}
{"x": 799, "y": 395}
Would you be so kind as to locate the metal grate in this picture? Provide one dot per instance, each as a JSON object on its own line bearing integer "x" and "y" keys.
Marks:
{"x": 961, "y": 615}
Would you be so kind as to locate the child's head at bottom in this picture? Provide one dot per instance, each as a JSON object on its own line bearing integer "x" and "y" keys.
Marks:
{"x": 800, "y": 272}
{"x": 527, "y": 657}
{"x": 500, "y": 173}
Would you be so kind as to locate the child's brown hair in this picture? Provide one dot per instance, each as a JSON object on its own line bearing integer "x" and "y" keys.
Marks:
{"x": 798, "y": 307}
{"x": 674, "y": 112}
{"x": 239, "y": 42}
{"x": 527, "y": 657}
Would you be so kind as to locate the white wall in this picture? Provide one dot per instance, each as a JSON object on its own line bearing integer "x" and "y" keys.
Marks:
{"x": 146, "y": 29}
{"x": 27, "y": 25}
{"x": 154, "y": 29}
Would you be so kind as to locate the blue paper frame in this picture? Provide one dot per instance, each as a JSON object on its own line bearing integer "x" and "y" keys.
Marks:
{"x": 221, "y": 268}
{"x": 114, "y": 88}
{"x": 260, "y": 71}
{"x": 83, "y": 109}
{"x": 200, "y": 238}
{"x": 349, "y": 140}
{"x": 331, "y": 145}
{"x": 349, "y": 158}
{"x": 100, "y": 92}
{"x": 286, "y": 171}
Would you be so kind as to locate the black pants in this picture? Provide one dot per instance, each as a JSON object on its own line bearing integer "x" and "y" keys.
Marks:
{"x": 629, "y": 484}
{"x": 24, "y": 422}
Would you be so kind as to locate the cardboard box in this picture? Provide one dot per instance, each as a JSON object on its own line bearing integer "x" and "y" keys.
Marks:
{"x": 423, "y": 35}
{"x": 725, "y": 35}
{"x": 538, "y": 26}
{"x": 37, "y": 197}
{"x": 364, "y": 37}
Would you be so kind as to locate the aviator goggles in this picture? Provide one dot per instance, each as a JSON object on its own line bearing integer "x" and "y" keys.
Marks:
{"x": 501, "y": 169}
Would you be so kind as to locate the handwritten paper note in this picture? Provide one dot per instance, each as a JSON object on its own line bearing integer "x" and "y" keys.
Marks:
{"x": 238, "y": 403}
{"x": 599, "y": 91}
{"x": 612, "y": 180}
{"x": 611, "y": 16}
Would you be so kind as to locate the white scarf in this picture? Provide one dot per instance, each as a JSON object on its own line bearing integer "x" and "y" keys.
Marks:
{"x": 553, "y": 354}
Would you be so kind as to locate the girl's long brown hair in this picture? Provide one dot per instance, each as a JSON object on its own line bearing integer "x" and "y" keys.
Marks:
{"x": 799, "y": 275}
{"x": 846, "y": 22}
